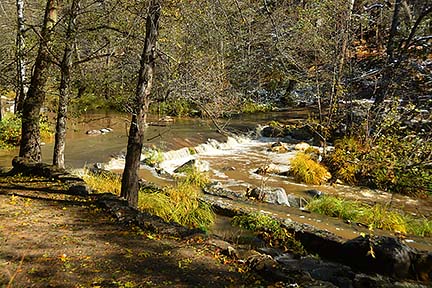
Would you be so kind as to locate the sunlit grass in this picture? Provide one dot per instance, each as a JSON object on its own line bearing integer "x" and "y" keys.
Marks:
{"x": 194, "y": 177}
{"x": 306, "y": 170}
{"x": 179, "y": 203}
{"x": 103, "y": 183}
{"x": 376, "y": 216}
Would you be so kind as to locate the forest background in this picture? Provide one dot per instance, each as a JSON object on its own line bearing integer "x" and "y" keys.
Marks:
{"x": 217, "y": 58}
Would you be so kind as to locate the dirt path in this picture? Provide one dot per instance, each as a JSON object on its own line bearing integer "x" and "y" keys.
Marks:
{"x": 54, "y": 240}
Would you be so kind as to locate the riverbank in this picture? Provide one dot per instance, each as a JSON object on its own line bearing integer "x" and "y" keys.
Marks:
{"x": 56, "y": 234}
{"x": 52, "y": 239}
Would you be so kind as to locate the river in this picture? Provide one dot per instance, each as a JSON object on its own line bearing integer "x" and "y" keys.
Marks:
{"x": 230, "y": 160}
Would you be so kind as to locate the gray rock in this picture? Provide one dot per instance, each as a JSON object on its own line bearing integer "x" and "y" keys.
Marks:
{"x": 269, "y": 195}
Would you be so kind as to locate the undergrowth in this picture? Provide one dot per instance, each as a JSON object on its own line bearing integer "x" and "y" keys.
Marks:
{"x": 396, "y": 163}
{"x": 376, "y": 216}
{"x": 270, "y": 230}
{"x": 10, "y": 131}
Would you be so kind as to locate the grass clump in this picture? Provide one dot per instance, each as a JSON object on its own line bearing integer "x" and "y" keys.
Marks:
{"x": 270, "y": 230}
{"x": 376, "y": 216}
{"x": 194, "y": 177}
{"x": 335, "y": 207}
{"x": 180, "y": 203}
{"x": 253, "y": 107}
{"x": 103, "y": 182}
{"x": 306, "y": 170}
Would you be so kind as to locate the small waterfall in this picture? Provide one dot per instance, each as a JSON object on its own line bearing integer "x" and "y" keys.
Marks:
{"x": 183, "y": 153}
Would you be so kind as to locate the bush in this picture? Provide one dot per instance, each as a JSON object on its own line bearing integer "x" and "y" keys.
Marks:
{"x": 153, "y": 157}
{"x": 252, "y": 107}
{"x": 306, "y": 170}
{"x": 10, "y": 131}
{"x": 394, "y": 163}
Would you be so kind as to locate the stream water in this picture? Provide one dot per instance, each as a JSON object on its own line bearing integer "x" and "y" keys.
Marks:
{"x": 229, "y": 160}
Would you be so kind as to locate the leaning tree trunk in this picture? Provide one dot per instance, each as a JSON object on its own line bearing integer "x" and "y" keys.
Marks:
{"x": 129, "y": 189}
{"x": 20, "y": 58}
{"x": 65, "y": 67}
{"x": 30, "y": 134}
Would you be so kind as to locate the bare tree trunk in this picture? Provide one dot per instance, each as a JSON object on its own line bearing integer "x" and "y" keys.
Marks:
{"x": 388, "y": 71}
{"x": 20, "y": 58}
{"x": 30, "y": 138}
{"x": 393, "y": 28}
{"x": 129, "y": 189}
{"x": 65, "y": 67}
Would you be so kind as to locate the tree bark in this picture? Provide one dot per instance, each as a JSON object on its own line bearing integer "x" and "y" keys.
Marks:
{"x": 65, "y": 68}
{"x": 20, "y": 58}
{"x": 130, "y": 187}
{"x": 30, "y": 135}
{"x": 393, "y": 30}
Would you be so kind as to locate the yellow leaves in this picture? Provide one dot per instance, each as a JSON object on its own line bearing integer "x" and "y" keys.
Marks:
{"x": 13, "y": 200}
{"x": 63, "y": 257}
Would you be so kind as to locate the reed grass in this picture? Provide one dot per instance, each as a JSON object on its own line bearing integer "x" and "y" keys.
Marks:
{"x": 376, "y": 216}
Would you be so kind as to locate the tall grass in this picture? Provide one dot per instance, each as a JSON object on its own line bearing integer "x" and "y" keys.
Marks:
{"x": 179, "y": 203}
{"x": 376, "y": 216}
{"x": 306, "y": 170}
{"x": 103, "y": 182}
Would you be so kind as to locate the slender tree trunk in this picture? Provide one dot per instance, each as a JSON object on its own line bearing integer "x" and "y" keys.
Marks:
{"x": 66, "y": 66}
{"x": 393, "y": 28}
{"x": 30, "y": 135}
{"x": 20, "y": 58}
{"x": 388, "y": 71}
{"x": 129, "y": 189}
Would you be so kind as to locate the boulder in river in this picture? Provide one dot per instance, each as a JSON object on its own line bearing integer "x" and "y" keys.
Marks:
{"x": 387, "y": 256}
{"x": 302, "y": 146}
{"x": 99, "y": 131}
{"x": 278, "y": 147}
{"x": 273, "y": 131}
{"x": 270, "y": 195}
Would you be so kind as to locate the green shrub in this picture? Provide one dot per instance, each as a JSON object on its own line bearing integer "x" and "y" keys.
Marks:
{"x": 153, "y": 157}
{"x": 253, "y": 107}
{"x": 306, "y": 170}
{"x": 10, "y": 131}
{"x": 393, "y": 163}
